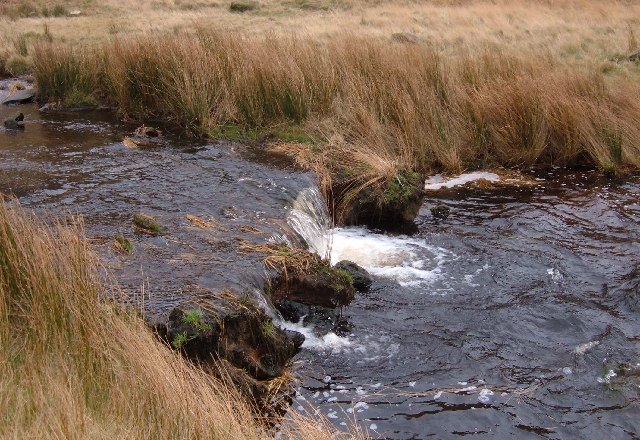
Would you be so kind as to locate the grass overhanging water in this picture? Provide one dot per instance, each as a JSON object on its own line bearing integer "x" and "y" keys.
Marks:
{"x": 74, "y": 364}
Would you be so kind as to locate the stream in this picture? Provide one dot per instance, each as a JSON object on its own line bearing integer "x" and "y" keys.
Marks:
{"x": 515, "y": 317}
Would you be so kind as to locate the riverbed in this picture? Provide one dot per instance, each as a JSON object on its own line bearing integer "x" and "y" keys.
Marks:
{"x": 514, "y": 317}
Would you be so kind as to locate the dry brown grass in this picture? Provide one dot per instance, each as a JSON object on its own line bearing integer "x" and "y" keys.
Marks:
{"x": 378, "y": 106}
{"x": 72, "y": 366}
{"x": 571, "y": 29}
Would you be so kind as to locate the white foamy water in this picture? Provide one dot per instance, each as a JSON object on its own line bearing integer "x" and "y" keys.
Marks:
{"x": 409, "y": 261}
{"x": 439, "y": 181}
{"x": 328, "y": 342}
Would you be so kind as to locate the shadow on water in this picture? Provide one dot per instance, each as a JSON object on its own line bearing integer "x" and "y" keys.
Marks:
{"x": 505, "y": 320}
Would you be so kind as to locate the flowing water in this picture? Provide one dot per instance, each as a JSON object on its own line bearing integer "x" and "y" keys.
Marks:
{"x": 508, "y": 319}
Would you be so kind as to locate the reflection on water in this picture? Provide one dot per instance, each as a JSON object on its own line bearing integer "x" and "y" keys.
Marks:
{"x": 509, "y": 319}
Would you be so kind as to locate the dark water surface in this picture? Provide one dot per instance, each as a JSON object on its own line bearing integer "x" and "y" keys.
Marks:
{"x": 503, "y": 321}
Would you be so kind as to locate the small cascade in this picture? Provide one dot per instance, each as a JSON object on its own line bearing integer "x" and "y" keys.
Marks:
{"x": 409, "y": 261}
{"x": 310, "y": 219}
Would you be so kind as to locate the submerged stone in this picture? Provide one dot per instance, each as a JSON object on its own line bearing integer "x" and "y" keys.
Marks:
{"x": 440, "y": 212}
{"x": 16, "y": 123}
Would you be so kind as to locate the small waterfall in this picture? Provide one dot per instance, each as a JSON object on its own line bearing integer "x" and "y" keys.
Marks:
{"x": 311, "y": 221}
{"x": 407, "y": 260}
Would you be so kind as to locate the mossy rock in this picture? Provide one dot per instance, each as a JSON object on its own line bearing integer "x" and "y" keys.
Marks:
{"x": 314, "y": 283}
{"x": 123, "y": 245}
{"x": 220, "y": 327}
{"x": 392, "y": 206}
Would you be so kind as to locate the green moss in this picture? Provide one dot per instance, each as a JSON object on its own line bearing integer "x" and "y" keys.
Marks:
{"x": 402, "y": 188}
{"x": 345, "y": 275}
{"x": 148, "y": 224}
{"x": 268, "y": 329}
{"x": 194, "y": 319}
{"x": 180, "y": 339}
{"x": 292, "y": 134}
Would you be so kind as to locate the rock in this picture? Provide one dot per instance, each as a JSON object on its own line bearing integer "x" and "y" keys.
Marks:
{"x": 440, "y": 212}
{"x": 361, "y": 278}
{"x": 20, "y": 97}
{"x": 405, "y": 37}
{"x": 292, "y": 311}
{"x": 75, "y": 12}
{"x": 342, "y": 327}
{"x": 315, "y": 285}
{"x": 145, "y": 131}
{"x": 321, "y": 319}
{"x": 16, "y": 123}
{"x": 391, "y": 207}
{"x": 144, "y": 137}
{"x": 296, "y": 337}
{"x": 220, "y": 327}
{"x": 146, "y": 224}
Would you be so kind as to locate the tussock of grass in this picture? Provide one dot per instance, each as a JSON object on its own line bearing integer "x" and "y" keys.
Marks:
{"x": 72, "y": 366}
{"x": 147, "y": 225}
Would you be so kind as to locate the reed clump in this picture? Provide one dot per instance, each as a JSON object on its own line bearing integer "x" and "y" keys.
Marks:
{"x": 377, "y": 105}
{"x": 75, "y": 366}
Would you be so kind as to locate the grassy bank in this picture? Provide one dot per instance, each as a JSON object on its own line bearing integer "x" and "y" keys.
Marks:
{"x": 379, "y": 106}
{"x": 72, "y": 366}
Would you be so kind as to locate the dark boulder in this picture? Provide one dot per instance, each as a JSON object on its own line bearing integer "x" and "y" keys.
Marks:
{"x": 20, "y": 97}
{"x": 292, "y": 311}
{"x": 316, "y": 285}
{"x": 144, "y": 137}
{"x": 16, "y": 123}
{"x": 343, "y": 327}
{"x": 360, "y": 277}
{"x": 296, "y": 337}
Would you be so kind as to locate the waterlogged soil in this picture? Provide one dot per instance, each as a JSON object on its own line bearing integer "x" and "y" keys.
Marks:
{"x": 503, "y": 320}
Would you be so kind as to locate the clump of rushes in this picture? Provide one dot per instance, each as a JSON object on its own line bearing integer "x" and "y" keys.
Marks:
{"x": 147, "y": 225}
{"x": 123, "y": 245}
